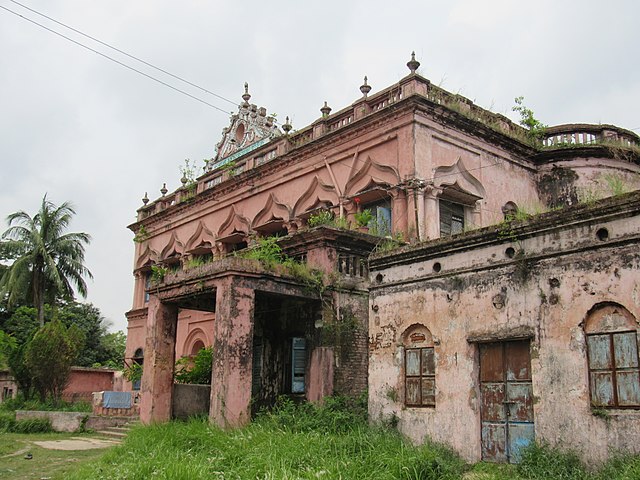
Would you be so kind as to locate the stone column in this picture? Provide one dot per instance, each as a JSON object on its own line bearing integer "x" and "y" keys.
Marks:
{"x": 420, "y": 208}
{"x": 159, "y": 360}
{"x": 476, "y": 215}
{"x": 432, "y": 212}
{"x": 232, "y": 355}
{"x": 399, "y": 212}
{"x": 138, "y": 289}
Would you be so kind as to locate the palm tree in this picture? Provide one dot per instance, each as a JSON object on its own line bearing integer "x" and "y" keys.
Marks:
{"x": 48, "y": 262}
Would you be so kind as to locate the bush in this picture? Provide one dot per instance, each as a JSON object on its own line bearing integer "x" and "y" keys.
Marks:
{"x": 195, "y": 370}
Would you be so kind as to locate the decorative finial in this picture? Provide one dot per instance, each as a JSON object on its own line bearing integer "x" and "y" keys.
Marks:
{"x": 246, "y": 95}
{"x": 326, "y": 109}
{"x": 287, "y": 126}
{"x": 145, "y": 199}
{"x": 164, "y": 190}
{"x": 365, "y": 88}
{"x": 184, "y": 180}
{"x": 413, "y": 64}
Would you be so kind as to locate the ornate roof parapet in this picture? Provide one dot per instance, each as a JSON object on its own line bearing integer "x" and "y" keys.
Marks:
{"x": 249, "y": 129}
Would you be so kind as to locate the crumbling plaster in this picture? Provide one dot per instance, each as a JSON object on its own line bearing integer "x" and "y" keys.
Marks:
{"x": 478, "y": 296}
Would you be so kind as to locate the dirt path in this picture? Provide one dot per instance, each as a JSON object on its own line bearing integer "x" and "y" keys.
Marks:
{"x": 76, "y": 443}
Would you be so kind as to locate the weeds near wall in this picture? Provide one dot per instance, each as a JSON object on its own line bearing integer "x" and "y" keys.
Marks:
{"x": 158, "y": 272}
{"x": 323, "y": 217}
{"x": 613, "y": 186}
{"x": 141, "y": 235}
{"x": 340, "y": 331}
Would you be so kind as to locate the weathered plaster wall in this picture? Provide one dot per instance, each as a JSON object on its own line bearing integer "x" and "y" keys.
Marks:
{"x": 84, "y": 381}
{"x": 481, "y": 294}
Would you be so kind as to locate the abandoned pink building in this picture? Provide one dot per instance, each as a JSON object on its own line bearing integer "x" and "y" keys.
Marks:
{"x": 466, "y": 320}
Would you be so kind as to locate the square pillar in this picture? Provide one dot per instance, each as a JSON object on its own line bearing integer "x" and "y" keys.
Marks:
{"x": 159, "y": 360}
{"x": 232, "y": 355}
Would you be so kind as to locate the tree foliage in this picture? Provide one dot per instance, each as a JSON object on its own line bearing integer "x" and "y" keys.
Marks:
{"x": 47, "y": 262}
{"x": 196, "y": 369}
{"x": 101, "y": 348}
{"x": 50, "y": 355}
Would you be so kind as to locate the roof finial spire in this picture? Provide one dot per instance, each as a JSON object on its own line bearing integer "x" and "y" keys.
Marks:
{"x": 326, "y": 109}
{"x": 246, "y": 95}
{"x": 413, "y": 64}
{"x": 365, "y": 88}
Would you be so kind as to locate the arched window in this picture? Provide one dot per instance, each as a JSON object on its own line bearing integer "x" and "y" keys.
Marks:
{"x": 197, "y": 346}
{"x": 612, "y": 354}
{"x": 419, "y": 367}
{"x": 138, "y": 357}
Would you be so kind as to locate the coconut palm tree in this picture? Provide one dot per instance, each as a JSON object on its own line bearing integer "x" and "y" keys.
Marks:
{"x": 47, "y": 262}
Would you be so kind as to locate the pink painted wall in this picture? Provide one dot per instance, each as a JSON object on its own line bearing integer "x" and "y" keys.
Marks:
{"x": 84, "y": 381}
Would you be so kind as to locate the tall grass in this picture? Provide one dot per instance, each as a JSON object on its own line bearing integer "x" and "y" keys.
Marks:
{"x": 329, "y": 442}
{"x": 9, "y": 424}
{"x": 293, "y": 442}
{"x": 19, "y": 403}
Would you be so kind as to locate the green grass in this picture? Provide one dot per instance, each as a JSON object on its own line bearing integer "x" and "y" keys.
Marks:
{"x": 54, "y": 464}
{"x": 19, "y": 403}
{"x": 306, "y": 442}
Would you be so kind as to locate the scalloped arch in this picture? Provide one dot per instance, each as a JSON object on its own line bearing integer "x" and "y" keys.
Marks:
{"x": 201, "y": 236}
{"x": 273, "y": 210}
{"x": 234, "y": 223}
{"x": 174, "y": 248}
{"x": 458, "y": 176}
{"x": 316, "y": 193}
{"x": 148, "y": 257}
{"x": 371, "y": 174}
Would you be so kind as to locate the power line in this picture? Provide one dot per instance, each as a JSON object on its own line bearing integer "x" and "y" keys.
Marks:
{"x": 125, "y": 53}
{"x": 116, "y": 61}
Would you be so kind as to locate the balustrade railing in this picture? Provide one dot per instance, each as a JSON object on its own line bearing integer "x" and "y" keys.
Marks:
{"x": 585, "y": 134}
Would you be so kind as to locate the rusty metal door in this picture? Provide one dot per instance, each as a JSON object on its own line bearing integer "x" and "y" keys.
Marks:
{"x": 507, "y": 400}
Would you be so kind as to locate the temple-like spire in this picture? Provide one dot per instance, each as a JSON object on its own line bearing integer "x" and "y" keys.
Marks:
{"x": 250, "y": 126}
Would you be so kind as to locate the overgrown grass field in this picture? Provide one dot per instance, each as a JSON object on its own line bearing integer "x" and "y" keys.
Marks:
{"x": 305, "y": 442}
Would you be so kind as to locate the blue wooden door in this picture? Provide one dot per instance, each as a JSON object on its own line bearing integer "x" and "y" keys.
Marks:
{"x": 507, "y": 400}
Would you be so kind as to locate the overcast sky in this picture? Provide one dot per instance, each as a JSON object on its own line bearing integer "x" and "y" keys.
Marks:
{"x": 83, "y": 129}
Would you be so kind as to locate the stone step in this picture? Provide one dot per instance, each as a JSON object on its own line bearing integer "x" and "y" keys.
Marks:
{"x": 111, "y": 433}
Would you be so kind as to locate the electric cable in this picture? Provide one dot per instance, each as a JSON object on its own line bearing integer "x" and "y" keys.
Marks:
{"x": 125, "y": 53}
{"x": 117, "y": 61}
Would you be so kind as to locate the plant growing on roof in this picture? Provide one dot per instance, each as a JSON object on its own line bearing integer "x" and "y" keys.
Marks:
{"x": 141, "y": 235}
{"x": 322, "y": 217}
{"x": 364, "y": 217}
{"x": 536, "y": 129}
{"x": 158, "y": 273}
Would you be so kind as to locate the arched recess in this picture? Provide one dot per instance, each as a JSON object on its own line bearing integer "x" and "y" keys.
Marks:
{"x": 172, "y": 252}
{"x": 370, "y": 176}
{"x": 201, "y": 242}
{"x": 317, "y": 195}
{"x": 608, "y": 317}
{"x": 272, "y": 217}
{"x": 611, "y": 333}
{"x": 234, "y": 229}
{"x": 458, "y": 184}
{"x": 417, "y": 335}
{"x": 195, "y": 338}
{"x": 149, "y": 257}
